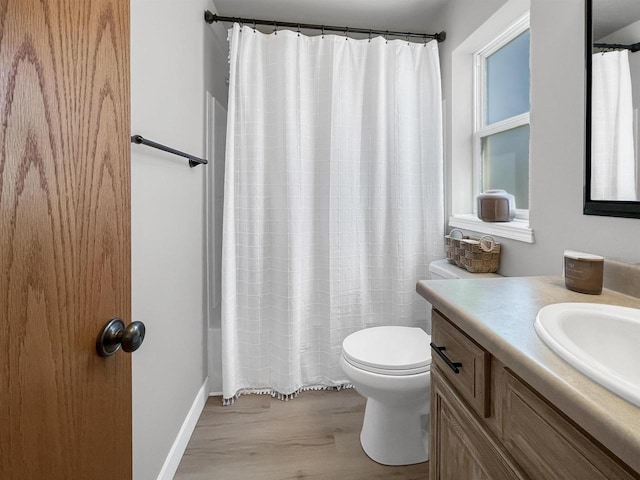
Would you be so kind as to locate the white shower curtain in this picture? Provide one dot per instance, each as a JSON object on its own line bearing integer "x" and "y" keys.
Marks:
{"x": 333, "y": 203}
{"x": 613, "y": 160}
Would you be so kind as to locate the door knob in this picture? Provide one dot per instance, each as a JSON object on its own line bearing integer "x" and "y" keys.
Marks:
{"x": 114, "y": 335}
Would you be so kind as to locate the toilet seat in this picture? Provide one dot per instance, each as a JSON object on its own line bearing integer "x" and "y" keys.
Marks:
{"x": 389, "y": 350}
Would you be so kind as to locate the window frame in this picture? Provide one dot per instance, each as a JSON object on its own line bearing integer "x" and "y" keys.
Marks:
{"x": 480, "y": 129}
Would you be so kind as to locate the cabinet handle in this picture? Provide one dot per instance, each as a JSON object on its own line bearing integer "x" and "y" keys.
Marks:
{"x": 455, "y": 366}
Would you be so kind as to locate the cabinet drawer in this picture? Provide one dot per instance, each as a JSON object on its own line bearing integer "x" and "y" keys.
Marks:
{"x": 470, "y": 359}
{"x": 547, "y": 445}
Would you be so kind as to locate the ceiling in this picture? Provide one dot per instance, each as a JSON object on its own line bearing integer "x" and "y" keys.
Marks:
{"x": 612, "y": 15}
{"x": 398, "y": 15}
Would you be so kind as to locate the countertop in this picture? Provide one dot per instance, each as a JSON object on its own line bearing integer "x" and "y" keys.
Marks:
{"x": 499, "y": 313}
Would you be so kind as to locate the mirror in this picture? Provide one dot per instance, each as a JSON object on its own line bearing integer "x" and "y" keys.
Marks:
{"x": 612, "y": 181}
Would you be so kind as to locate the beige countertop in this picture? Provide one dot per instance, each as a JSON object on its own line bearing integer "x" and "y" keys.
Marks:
{"x": 499, "y": 313}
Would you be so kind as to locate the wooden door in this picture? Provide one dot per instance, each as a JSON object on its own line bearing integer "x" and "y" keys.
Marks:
{"x": 65, "y": 413}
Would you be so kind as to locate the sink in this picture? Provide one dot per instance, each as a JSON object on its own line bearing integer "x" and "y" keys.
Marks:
{"x": 602, "y": 341}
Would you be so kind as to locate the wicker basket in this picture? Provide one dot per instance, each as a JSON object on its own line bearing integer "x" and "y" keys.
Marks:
{"x": 477, "y": 255}
{"x": 453, "y": 247}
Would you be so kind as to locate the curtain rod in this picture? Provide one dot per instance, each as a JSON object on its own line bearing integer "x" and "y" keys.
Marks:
{"x": 193, "y": 161}
{"x": 617, "y": 46}
{"x": 211, "y": 17}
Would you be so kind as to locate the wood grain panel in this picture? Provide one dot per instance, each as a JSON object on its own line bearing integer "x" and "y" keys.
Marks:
{"x": 65, "y": 238}
{"x": 315, "y": 436}
{"x": 548, "y": 446}
{"x": 461, "y": 447}
{"x": 473, "y": 380}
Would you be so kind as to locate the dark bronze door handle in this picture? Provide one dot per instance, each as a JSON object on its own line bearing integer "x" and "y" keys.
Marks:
{"x": 455, "y": 366}
{"x": 114, "y": 335}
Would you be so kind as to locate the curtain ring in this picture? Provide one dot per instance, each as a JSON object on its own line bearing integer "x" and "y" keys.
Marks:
{"x": 369, "y": 36}
{"x": 425, "y": 41}
{"x": 275, "y": 28}
{"x": 298, "y": 29}
{"x": 386, "y": 36}
{"x": 346, "y": 32}
{"x": 408, "y": 39}
{"x": 254, "y": 26}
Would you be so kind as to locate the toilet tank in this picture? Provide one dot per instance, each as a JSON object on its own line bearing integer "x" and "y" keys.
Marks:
{"x": 443, "y": 270}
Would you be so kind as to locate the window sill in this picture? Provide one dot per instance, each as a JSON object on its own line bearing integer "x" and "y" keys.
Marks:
{"x": 517, "y": 229}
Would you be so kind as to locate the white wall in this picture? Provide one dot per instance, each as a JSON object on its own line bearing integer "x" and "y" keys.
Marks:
{"x": 175, "y": 59}
{"x": 216, "y": 144}
{"x": 557, "y": 139}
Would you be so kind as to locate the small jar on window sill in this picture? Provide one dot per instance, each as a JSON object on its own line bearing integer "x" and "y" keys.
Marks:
{"x": 496, "y": 206}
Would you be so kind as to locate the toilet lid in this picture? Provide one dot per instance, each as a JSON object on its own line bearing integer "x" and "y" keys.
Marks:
{"x": 391, "y": 350}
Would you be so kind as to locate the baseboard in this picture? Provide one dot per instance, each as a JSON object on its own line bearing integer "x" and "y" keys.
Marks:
{"x": 215, "y": 394}
{"x": 188, "y": 426}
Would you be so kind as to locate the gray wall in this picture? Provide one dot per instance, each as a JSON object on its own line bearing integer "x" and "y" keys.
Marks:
{"x": 557, "y": 140}
{"x": 175, "y": 59}
{"x": 459, "y": 18}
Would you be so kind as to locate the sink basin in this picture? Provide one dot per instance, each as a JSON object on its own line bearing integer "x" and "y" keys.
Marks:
{"x": 602, "y": 341}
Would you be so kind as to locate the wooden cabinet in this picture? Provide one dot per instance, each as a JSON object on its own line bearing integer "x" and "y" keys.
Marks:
{"x": 516, "y": 434}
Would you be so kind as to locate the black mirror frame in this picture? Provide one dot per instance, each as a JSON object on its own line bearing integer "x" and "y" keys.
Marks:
{"x": 608, "y": 208}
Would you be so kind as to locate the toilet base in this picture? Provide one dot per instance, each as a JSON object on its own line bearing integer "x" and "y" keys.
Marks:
{"x": 395, "y": 436}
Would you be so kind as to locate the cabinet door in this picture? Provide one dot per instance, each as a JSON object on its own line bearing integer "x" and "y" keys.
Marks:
{"x": 548, "y": 446}
{"x": 461, "y": 448}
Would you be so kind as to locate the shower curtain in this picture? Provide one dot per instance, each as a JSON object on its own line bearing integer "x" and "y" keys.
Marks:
{"x": 613, "y": 158}
{"x": 333, "y": 204}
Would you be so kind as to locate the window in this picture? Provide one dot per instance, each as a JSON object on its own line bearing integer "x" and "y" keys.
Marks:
{"x": 501, "y": 123}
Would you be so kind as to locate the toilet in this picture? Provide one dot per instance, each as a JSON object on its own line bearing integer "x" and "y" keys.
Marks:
{"x": 390, "y": 366}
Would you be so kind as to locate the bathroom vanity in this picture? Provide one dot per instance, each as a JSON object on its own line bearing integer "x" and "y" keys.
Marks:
{"x": 515, "y": 409}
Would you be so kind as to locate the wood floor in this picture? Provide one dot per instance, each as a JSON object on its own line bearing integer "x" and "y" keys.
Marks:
{"x": 315, "y": 436}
